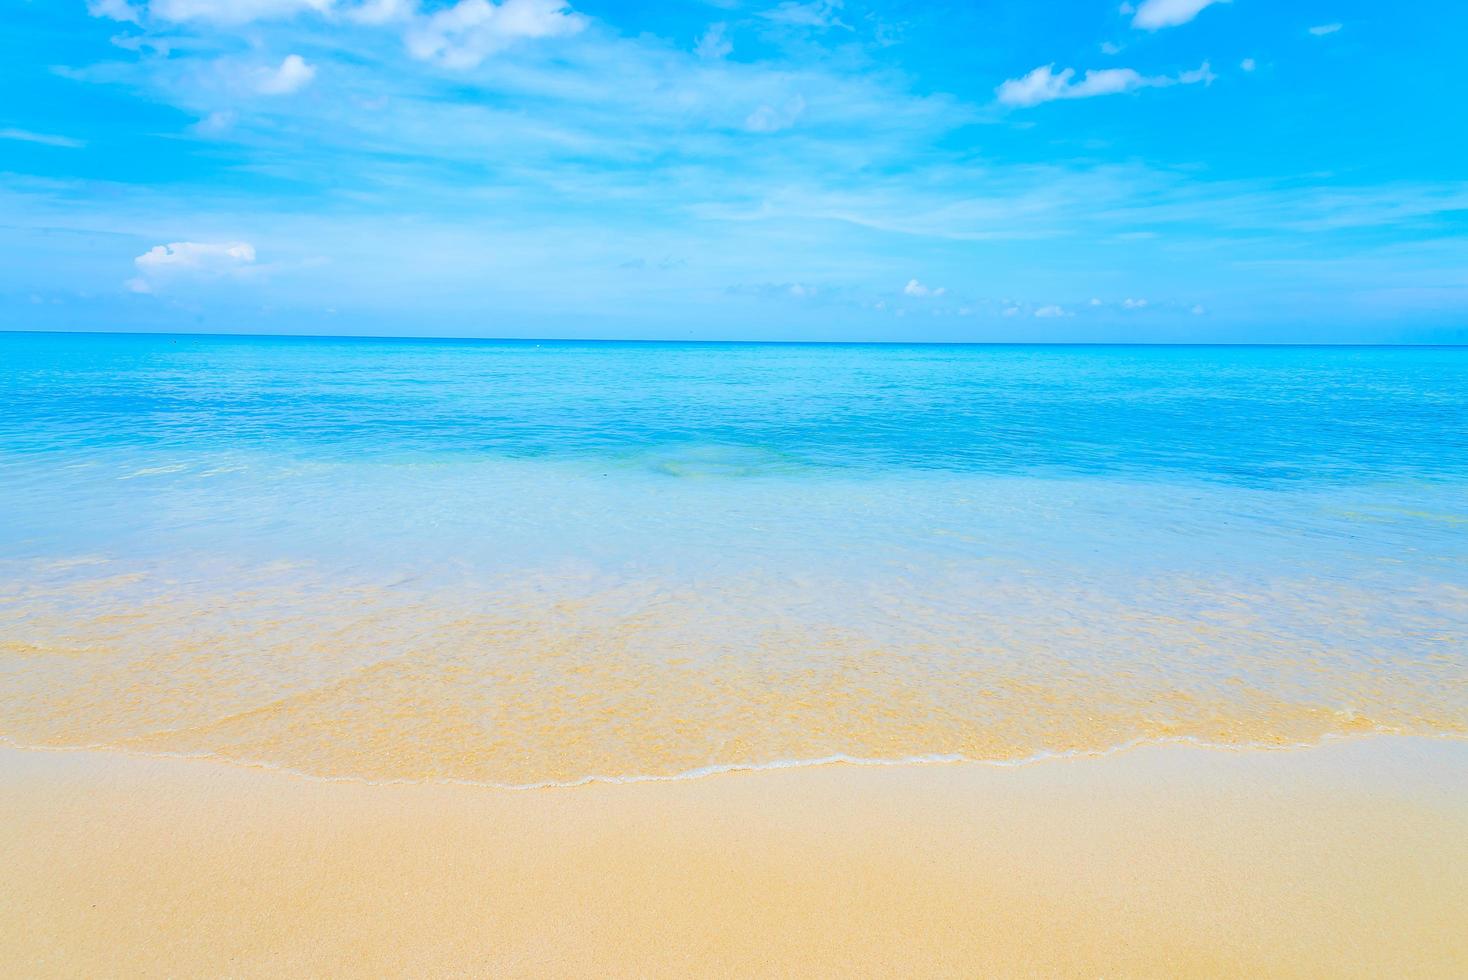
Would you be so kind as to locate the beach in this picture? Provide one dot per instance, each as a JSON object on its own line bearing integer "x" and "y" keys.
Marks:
{"x": 806, "y": 488}
{"x": 1345, "y": 859}
{"x": 365, "y": 657}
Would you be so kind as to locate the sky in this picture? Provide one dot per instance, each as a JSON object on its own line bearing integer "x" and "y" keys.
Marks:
{"x": 1075, "y": 170}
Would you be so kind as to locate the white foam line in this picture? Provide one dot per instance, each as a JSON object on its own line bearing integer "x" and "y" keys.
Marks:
{"x": 717, "y": 769}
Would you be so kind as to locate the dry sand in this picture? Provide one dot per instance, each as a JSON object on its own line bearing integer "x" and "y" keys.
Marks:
{"x": 1348, "y": 859}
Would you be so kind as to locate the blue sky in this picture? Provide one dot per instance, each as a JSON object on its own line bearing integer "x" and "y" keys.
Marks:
{"x": 1076, "y": 170}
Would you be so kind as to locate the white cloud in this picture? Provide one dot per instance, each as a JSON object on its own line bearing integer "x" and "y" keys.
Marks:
{"x": 1045, "y": 84}
{"x": 382, "y": 11}
{"x": 232, "y": 11}
{"x": 1133, "y": 304}
{"x": 714, "y": 44}
{"x": 1110, "y": 47}
{"x": 1198, "y": 310}
{"x": 1095, "y": 301}
{"x": 1050, "y": 312}
{"x": 465, "y": 34}
{"x": 1153, "y": 15}
{"x": 1325, "y": 29}
{"x": 915, "y": 288}
{"x": 194, "y": 255}
{"x": 768, "y": 119}
{"x": 293, "y": 74}
{"x": 165, "y": 263}
{"x": 45, "y": 139}
{"x": 114, "y": 10}
{"x": 1248, "y": 64}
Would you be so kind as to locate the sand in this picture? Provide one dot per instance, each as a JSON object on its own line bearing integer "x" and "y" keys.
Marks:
{"x": 1346, "y": 859}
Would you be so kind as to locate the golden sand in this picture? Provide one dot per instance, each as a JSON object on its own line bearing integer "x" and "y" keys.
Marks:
{"x": 555, "y": 680}
{"x": 1349, "y": 859}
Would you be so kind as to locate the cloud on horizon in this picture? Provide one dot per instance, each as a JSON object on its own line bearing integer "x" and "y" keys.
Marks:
{"x": 163, "y": 264}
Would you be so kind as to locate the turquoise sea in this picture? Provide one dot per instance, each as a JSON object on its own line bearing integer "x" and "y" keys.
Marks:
{"x": 532, "y": 562}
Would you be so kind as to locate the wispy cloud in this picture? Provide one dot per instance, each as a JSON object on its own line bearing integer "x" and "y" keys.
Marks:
{"x": 231, "y": 11}
{"x": 1045, "y": 84}
{"x": 1323, "y": 29}
{"x": 801, "y": 291}
{"x": 770, "y": 119}
{"x": 817, "y": 13}
{"x": 714, "y": 42}
{"x": 45, "y": 139}
{"x": 460, "y": 35}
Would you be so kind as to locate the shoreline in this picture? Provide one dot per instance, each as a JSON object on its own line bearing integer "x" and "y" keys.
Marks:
{"x": 1345, "y": 858}
{"x": 839, "y": 760}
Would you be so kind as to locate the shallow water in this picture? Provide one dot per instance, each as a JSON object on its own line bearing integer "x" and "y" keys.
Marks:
{"x": 522, "y": 563}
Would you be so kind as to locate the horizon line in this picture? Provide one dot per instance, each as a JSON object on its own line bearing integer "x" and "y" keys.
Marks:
{"x": 718, "y": 341}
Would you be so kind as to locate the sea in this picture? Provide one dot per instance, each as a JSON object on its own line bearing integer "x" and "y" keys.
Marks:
{"x": 542, "y": 563}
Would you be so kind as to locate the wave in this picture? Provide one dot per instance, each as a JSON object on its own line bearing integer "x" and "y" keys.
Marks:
{"x": 726, "y": 768}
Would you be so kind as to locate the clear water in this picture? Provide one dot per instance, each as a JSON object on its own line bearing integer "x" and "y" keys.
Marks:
{"x": 541, "y": 562}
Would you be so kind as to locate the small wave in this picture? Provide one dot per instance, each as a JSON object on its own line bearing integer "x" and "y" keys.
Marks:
{"x": 156, "y": 471}
{"x": 726, "y": 768}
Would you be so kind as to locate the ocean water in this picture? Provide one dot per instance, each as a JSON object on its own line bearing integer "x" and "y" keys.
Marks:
{"x": 526, "y": 563}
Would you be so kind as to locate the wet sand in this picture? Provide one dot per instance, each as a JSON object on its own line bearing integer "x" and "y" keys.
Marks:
{"x": 1347, "y": 859}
